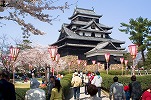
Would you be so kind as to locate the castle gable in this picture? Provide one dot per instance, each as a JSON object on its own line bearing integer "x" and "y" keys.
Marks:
{"x": 92, "y": 25}
{"x": 104, "y": 45}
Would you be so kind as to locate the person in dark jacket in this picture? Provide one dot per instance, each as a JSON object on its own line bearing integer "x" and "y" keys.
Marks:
{"x": 7, "y": 89}
{"x": 135, "y": 89}
{"x": 50, "y": 85}
{"x": 117, "y": 90}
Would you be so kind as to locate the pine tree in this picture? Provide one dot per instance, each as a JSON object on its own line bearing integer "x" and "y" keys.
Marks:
{"x": 138, "y": 29}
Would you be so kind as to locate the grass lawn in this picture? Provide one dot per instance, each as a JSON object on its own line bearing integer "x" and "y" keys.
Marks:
{"x": 22, "y": 85}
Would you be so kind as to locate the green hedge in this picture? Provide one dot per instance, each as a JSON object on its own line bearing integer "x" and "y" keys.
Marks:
{"x": 65, "y": 72}
{"x": 119, "y": 72}
{"x": 66, "y": 84}
{"x": 125, "y": 80}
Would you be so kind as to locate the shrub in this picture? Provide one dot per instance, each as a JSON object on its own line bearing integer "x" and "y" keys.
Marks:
{"x": 115, "y": 72}
{"x": 128, "y": 72}
{"x": 125, "y": 80}
{"x": 66, "y": 84}
{"x": 103, "y": 72}
{"x": 64, "y": 72}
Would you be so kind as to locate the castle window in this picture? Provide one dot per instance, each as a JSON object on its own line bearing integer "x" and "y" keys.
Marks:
{"x": 97, "y": 20}
{"x": 92, "y": 26}
{"x": 101, "y": 35}
{"x": 92, "y": 34}
{"x": 107, "y": 36}
{"x": 77, "y": 19}
{"x": 83, "y": 34}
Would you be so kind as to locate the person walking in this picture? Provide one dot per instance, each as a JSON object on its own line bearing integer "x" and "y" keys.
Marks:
{"x": 135, "y": 89}
{"x": 35, "y": 93}
{"x": 50, "y": 85}
{"x": 57, "y": 93}
{"x": 117, "y": 90}
{"x": 147, "y": 94}
{"x": 92, "y": 76}
{"x": 92, "y": 90}
{"x": 82, "y": 77}
{"x": 76, "y": 83}
{"x": 86, "y": 83}
{"x": 97, "y": 81}
{"x": 7, "y": 89}
{"x": 127, "y": 93}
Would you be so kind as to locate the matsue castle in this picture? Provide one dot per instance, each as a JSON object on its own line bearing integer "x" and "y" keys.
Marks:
{"x": 88, "y": 39}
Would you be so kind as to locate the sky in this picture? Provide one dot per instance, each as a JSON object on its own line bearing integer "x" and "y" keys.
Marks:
{"x": 114, "y": 12}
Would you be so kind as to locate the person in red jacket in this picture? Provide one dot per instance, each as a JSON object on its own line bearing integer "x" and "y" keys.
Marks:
{"x": 127, "y": 93}
{"x": 92, "y": 76}
{"x": 147, "y": 94}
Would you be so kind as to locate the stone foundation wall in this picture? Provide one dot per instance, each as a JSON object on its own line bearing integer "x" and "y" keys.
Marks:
{"x": 116, "y": 66}
{"x": 74, "y": 65}
{"x": 94, "y": 68}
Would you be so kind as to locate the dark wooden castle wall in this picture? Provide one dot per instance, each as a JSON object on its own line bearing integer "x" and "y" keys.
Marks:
{"x": 69, "y": 50}
{"x": 101, "y": 59}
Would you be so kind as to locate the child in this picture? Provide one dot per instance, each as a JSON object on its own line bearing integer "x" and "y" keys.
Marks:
{"x": 127, "y": 93}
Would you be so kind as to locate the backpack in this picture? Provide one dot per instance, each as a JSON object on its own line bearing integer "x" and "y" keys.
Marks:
{"x": 136, "y": 90}
{"x": 118, "y": 90}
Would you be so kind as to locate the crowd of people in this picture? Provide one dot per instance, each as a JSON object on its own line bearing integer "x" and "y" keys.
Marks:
{"x": 88, "y": 80}
{"x": 133, "y": 90}
{"x": 91, "y": 82}
{"x": 54, "y": 89}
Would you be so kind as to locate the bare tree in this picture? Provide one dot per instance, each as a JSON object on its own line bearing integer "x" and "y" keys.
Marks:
{"x": 19, "y": 10}
{"x": 4, "y": 48}
{"x": 4, "y": 43}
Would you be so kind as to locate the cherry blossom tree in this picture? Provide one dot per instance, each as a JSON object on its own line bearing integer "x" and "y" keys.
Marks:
{"x": 19, "y": 10}
{"x": 38, "y": 57}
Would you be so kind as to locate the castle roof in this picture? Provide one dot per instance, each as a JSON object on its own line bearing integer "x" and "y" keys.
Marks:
{"x": 73, "y": 35}
{"x": 86, "y": 23}
{"x": 77, "y": 45}
{"x": 84, "y": 12}
{"x": 100, "y": 48}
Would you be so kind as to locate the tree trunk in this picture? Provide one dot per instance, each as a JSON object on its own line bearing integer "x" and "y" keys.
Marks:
{"x": 143, "y": 57}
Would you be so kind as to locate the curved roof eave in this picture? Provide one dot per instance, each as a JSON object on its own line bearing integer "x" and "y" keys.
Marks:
{"x": 72, "y": 35}
{"x": 104, "y": 50}
{"x": 94, "y": 15}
